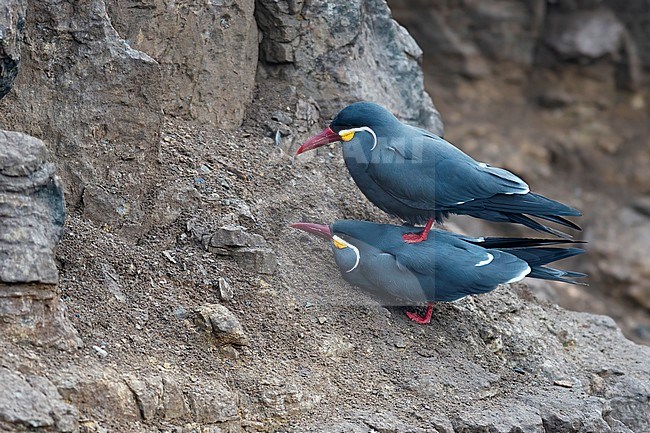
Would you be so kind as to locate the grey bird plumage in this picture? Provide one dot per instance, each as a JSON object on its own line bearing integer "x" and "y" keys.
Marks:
{"x": 444, "y": 268}
{"x": 417, "y": 176}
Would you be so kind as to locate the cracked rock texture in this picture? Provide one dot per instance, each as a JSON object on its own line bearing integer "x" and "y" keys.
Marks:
{"x": 207, "y": 53}
{"x": 31, "y": 402}
{"x": 12, "y": 26}
{"x": 341, "y": 52}
{"x": 102, "y": 112}
{"x": 32, "y": 213}
{"x": 32, "y": 209}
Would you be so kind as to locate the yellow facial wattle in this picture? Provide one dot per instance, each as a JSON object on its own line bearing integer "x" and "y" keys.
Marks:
{"x": 347, "y": 135}
{"x": 339, "y": 243}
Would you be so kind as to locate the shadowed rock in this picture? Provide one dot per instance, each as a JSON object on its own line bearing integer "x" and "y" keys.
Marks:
{"x": 12, "y": 25}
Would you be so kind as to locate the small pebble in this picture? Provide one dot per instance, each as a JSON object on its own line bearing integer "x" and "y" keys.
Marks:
{"x": 229, "y": 352}
{"x": 101, "y": 352}
{"x": 563, "y": 383}
{"x": 181, "y": 313}
{"x": 225, "y": 289}
{"x": 168, "y": 255}
{"x": 282, "y": 117}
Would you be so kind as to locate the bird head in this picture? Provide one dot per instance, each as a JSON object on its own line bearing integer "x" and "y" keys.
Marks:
{"x": 346, "y": 254}
{"x": 357, "y": 118}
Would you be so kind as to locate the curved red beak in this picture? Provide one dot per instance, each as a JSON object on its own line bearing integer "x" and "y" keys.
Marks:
{"x": 318, "y": 140}
{"x": 320, "y": 230}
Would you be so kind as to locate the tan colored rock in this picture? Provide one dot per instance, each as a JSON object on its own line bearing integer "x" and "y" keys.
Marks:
{"x": 207, "y": 51}
{"x": 95, "y": 101}
{"x": 212, "y": 403}
{"x": 98, "y": 393}
{"x": 222, "y": 324}
{"x": 148, "y": 392}
{"x": 33, "y": 313}
{"x": 173, "y": 402}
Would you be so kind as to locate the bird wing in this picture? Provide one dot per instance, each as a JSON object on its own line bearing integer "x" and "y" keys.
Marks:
{"x": 447, "y": 272}
{"x": 386, "y": 274}
{"x": 424, "y": 171}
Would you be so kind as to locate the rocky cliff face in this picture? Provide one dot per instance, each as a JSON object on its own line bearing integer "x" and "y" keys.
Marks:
{"x": 12, "y": 25}
{"x": 342, "y": 52}
{"x": 189, "y": 303}
{"x": 476, "y": 39}
{"x": 207, "y": 52}
{"x": 96, "y": 101}
{"x": 556, "y": 91}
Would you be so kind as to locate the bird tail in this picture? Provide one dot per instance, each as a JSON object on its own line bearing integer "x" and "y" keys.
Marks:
{"x": 537, "y": 254}
{"x": 536, "y": 225}
{"x": 540, "y": 256}
{"x": 519, "y": 208}
{"x": 531, "y": 204}
{"x": 509, "y": 243}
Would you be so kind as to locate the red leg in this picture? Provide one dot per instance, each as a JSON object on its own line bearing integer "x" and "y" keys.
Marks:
{"x": 423, "y": 320}
{"x": 413, "y": 238}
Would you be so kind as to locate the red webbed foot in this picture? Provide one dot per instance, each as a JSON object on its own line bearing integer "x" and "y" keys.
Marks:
{"x": 423, "y": 320}
{"x": 414, "y": 238}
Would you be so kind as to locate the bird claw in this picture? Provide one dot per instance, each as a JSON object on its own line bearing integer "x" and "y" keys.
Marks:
{"x": 414, "y": 238}
{"x": 423, "y": 320}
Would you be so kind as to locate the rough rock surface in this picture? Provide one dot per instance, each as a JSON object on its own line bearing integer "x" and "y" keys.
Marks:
{"x": 222, "y": 324}
{"x": 481, "y": 39}
{"x": 32, "y": 213}
{"x": 249, "y": 250}
{"x": 30, "y": 402}
{"x": 207, "y": 52}
{"x": 114, "y": 400}
{"x": 32, "y": 209}
{"x": 102, "y": 117}
{"x": 12, "y": 25}
{"x": 341, "y": 52}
